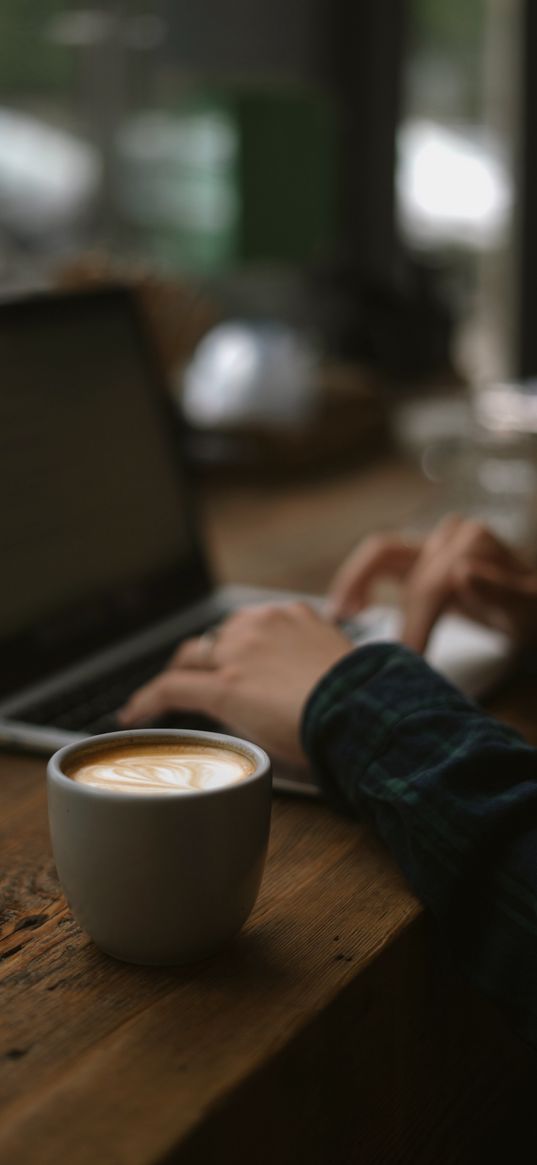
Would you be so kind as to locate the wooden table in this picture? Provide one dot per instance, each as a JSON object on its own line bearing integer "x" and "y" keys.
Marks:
{"x": 331, "y": 1030}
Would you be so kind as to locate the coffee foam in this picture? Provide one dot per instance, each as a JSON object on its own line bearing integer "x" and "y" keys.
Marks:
{"x": 161, "y": 768}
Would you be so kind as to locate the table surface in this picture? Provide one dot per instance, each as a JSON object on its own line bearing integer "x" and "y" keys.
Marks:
{"x": 328, "y": 1028}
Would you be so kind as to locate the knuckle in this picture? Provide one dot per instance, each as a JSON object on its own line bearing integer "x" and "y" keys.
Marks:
{"x": 477, "y": 533}
{"x": 377, "y": 543}
{"x": 270, "y": 611}
{"x": 262, "y": 616}
{"x": 299, "y": 608}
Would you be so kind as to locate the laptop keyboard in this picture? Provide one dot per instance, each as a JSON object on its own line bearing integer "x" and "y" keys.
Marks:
{"x": 90, "y": 707}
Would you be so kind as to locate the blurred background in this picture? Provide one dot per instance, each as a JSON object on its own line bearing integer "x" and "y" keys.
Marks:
{"x": 340, "y": 195}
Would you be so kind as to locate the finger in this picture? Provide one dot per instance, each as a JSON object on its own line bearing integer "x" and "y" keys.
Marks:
{"x": 444, "y": 535}
{"x": 491, "y": 595}
{"x": 211, "y": 650}
{"x": 420, "y": 613}
{"x": 255, "y": 622}
{"x": 196, "y": 653}
{"x": 171, "y": 691}
{"x": 506, "y": 600}
{"x": 446, "y": 528}
{"x": 431, "y": 584}
{"x": 474, "y": 540}
{"x": 377, "y": 557}
{"x": 477, "y": 602}
{"x": 456, "y": 539}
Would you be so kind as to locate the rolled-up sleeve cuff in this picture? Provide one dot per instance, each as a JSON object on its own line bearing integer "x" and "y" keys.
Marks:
{"x": 355, "y": 708}
{"x": 453, "y": 793}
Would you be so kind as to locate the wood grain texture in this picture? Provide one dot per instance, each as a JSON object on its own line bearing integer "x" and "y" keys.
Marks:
{"x": 328, "y": 1026}
{"x": 329, "y": 1032}
{"x": 296, "y": 535}
{"x": 120, "y": 1045}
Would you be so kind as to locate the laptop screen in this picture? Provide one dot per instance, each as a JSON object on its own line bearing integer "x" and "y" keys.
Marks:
{"x": 96, "y": 529}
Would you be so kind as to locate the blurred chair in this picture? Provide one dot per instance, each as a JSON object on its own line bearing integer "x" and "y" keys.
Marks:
{"x": 178, "y": 313}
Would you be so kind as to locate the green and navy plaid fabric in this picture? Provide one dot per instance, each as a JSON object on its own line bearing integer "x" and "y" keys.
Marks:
{"x": 453, "y": 793}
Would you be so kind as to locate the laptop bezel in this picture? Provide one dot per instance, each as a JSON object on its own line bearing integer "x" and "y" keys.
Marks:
{"x": 65, "y": 636}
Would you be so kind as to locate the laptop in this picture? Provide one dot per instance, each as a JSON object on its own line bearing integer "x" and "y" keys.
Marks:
{"x": 103, "y": 566}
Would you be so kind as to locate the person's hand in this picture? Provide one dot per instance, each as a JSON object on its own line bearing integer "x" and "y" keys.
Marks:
{"x": 461, "y": 566}
{"x": 254, "y": 674}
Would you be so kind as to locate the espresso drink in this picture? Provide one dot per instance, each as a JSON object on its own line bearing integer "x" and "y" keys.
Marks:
{"x": 161, "y": 768}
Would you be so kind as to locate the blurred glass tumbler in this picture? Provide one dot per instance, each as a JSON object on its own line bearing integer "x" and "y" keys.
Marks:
{"x": 159, "y": 877}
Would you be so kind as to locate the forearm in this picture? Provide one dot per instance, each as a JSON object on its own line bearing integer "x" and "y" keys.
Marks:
{"x": 454, "y": 795}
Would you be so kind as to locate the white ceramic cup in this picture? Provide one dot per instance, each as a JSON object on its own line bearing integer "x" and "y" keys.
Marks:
{"x": 160, "y": 878}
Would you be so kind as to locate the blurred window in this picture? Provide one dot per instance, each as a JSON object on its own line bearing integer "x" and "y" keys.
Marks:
{"x": 456, "y": 158}
{"x": 117, "y": 129}
{"x": 108, "y": 136}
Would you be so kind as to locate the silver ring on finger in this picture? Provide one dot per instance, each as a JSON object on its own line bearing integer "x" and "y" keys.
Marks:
{"x": 205, "y": 648}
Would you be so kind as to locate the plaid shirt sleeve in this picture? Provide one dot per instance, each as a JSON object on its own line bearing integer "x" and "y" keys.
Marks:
{"x": 454, "y": 795}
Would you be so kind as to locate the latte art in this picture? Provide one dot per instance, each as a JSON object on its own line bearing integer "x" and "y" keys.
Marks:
{"x": 162, "y": 768}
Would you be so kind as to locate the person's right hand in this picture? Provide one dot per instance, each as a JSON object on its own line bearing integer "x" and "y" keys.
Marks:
{"x": 254, "y": 674}
{"x": 460, "y": 566}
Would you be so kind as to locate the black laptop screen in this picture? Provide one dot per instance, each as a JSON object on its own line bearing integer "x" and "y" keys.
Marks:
{"x": 96, "y": 531}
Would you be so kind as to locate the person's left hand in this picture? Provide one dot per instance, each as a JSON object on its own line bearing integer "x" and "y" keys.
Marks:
{"x": 460, "y": 566}
{"x": 254, "y": 674}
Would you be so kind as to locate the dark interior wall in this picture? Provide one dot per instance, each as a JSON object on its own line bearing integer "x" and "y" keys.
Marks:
{"x": 245, "y": 39}
{"x": 351, "y": 47}
{"x": 364, "y": 55}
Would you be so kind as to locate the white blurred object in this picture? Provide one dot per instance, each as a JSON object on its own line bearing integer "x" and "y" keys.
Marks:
{"x": 479, "y": 451}
{"x": 244, "y": 373}
{"x": 472, "y": 656}
{"x": 453, "y": 185}
{"x": 507, "y": 407}
{"x": 47, "y": 176}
